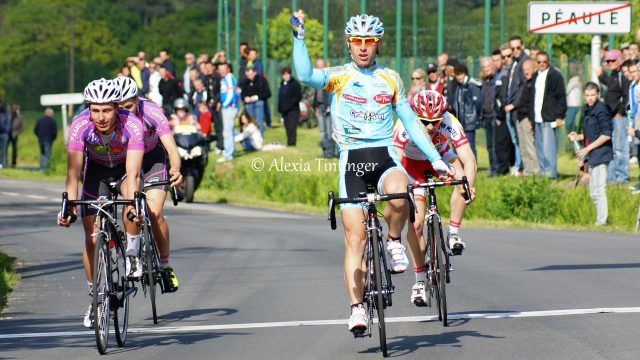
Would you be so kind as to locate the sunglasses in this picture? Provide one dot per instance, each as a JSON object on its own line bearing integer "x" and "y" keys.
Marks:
{"x": 609, "y": 61}
{"x": 543, "y": 62}
{"x": 516, "y": 48}
{"x": 417, "y": 78}
{"x": 507, "y": 56}
{"x": 435, "y": 122}
{"x": 367, "y": 41}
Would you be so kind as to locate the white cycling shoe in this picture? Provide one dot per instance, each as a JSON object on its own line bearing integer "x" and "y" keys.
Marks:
{"x": 398, "y": 255}
{"x": 357, "y": 321}
{"x": 133, "y": 267}
{"x": 456, "y": 245}
{"x": 419, "y": 294}
{"x": 88, "y": 318}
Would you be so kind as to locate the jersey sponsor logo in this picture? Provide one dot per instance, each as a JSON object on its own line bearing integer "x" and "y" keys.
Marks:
{"x": 80, "y": 126}
{"x": 93, "y": 138}
{"x": 366, "y": 115}
{"x": 351, "y": 130}
{"x": 355, "y": 99}
{"x": 357, "y": 84}
{"x": 101, "y": 149}
{"x": 383, "y": 99}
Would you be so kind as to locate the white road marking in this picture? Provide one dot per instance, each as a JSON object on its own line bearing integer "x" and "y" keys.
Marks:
{"x": 454, "y": 316}
{"x": 9, "y": 193}
{"x": 39, "y": 197}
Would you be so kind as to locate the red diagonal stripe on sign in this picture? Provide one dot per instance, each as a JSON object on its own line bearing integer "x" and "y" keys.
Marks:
{"x": 579, "y": 18}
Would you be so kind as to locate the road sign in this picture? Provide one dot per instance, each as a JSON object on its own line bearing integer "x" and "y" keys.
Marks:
{"x": 580, "y": 17}
{"x": 61, "y": 99}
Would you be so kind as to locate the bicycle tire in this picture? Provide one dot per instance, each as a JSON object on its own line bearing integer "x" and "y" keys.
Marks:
{"x": 150, "y": 270}
{"x": 441, "y": 276}
{"x": 101, "y": 292}
{"x": 379, "y": 295}
{"x": 121, "y": 315}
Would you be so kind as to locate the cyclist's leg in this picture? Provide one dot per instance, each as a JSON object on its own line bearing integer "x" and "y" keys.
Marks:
{"x": 415, "y": 240}
{"x": 458, "y": 206}
{"x": 159, "y": 225}
{"x": 90, "y": 227}
{"x": 395, "y": 181}
{"x": 354, "y": 244}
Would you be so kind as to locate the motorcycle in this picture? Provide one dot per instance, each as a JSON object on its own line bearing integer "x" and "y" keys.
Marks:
{"x": 193, "y": 148}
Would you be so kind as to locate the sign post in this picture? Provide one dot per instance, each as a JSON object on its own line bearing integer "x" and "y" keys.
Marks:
{"x": 581, "y": 17}
{"x": 63, "y": 100}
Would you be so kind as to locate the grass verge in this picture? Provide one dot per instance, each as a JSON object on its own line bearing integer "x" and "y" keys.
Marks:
{"x": 8, "y": 278}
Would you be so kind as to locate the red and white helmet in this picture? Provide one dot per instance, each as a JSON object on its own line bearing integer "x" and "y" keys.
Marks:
{"x": 429, "y": 104}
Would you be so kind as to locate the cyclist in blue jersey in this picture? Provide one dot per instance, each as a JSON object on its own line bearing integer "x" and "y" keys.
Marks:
{"x": 363, "y": 96}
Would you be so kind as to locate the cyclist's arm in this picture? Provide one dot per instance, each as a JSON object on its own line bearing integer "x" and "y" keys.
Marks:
{"x": 75, "y": 160}
{"x": 468, "y": 160}
{"x": 132, "y": 166}
{"x": 169, "y": 144}
{"x": 415, "y": 132}
{"x": 315, "y": 78}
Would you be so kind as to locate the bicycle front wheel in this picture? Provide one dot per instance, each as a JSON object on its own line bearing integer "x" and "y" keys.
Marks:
{"x": 121, "y": 287}
{"x": 101, "y": 292}
{"x": 150, "y": 269}
{"x": 441, "y": 276}
{"x": 379, "y": 292}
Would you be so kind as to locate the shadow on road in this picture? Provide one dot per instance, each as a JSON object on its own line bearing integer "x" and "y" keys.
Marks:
{"x": 402, "y": 345}
{"x": 50, "y": 268}
{"x": 587, "y": 267}
{"x": 186, "y": 314}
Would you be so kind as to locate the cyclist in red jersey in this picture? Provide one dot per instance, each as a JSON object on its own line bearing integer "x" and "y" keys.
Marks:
{"x": 449, "y": 138}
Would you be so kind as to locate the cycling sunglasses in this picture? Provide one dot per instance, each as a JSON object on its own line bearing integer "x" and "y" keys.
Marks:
{"x": 368, "y": 41}
{"x": 435, "y": 122}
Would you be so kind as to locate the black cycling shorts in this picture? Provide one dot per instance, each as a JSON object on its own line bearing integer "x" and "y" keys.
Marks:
{"x": 154, "y": 168}
{"x": 91, "y": 187}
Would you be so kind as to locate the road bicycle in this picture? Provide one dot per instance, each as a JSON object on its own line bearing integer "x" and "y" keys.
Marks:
{"x": 439, "y": 266}
{"x": 378, "y": 288}
{"x": 152, "y": 274}
{"x": 111, "y": 288}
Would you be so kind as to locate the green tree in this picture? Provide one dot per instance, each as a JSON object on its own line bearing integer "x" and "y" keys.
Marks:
{"x": 279, "y": 39}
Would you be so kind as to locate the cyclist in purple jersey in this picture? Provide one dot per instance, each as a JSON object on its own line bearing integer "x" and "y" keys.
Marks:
{"x": 158, "y": 142}
{"x": 114, "y": 146}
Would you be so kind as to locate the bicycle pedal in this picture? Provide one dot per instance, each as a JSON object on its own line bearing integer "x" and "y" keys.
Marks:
{"x": 396, "y": 272}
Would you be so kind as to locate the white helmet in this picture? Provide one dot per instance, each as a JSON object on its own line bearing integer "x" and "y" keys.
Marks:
{"x": 128, "y": 87}
{"x": 364, "y": 25}
{"x": 102, "y": 91}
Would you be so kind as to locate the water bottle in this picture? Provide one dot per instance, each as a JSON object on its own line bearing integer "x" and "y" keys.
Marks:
{"x": 113, "y": 250}
{"x": 576, "y": 146}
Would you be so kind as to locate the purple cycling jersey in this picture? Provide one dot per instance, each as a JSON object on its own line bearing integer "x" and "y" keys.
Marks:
{"x": 155, "y": 123}
{"x": 108, "y": 150}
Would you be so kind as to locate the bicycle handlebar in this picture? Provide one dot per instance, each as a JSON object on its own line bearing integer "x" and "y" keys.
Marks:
{"x": 434, "y": 184}
{"x": 369, "y": 198}
{"x": 73, "y": 217}
{"x": 176, "y": 194}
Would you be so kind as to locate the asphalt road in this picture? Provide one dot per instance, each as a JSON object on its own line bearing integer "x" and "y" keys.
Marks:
{"x": 258, "y": 284}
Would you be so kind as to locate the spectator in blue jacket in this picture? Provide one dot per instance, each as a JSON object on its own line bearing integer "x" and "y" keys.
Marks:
{"x": 597, "y": 128}
{"x": 467, "y": 103}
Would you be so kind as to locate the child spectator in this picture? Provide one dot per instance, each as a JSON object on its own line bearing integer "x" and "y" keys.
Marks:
{"x": 204, "y": 119}
{"x": 597, "y": 127}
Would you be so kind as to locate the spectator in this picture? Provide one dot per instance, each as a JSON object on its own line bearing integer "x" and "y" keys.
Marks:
{"x": 46, "y": 131}
{"x": 515, "y": 81}
{"x": 522, "y": 110}
{"x": 154, "y": 82}
{"x": 450, "y": 84}
{"x": 189, "y": 61}
{"x": 443, "y": 58}
{"x": 182, "y": 116}
{"x": 255, "y": 92}
{"x": 633, "y": 50}
{"x": 467, "y": 103}
{"x": 132, "y": 64}
{"x": 533, "y": 52}
{"x": 505, "y": 147}
{"x": 549, "y": 108}
{"x": 323, "y": 113}
{"x": 489, "y": 86}
{"x": 634, "y": 114}
{"x": 252, "y": 60}
{"x": 616, "y": 100}
{"x": 244, "y": 55}
{"x": 5, "y": 131}
{"x": 17, "y": 126}
{"x": 626, "y": 53}
{"x": 124, "y": 71}
{"x": 164, "y": 60}
{"x": 497, "y": 61}
{"x": 221, "y": 58}
{"x": 169, "y": 90}
{"x": 229, "y": 109}
{"x": 198, "y": 95}
{"x": 212, "y": 83}
{"x": 597, "y": 130}
{"x": 574, "y": 90}
{"x": 145, "y": 75}
{"x": 435, "y": 81}
{"x": 289, "y": 97}
{"x": 418, "y": 83}
{"x": 249, "y": 137}
{"x": 204, "y": 118}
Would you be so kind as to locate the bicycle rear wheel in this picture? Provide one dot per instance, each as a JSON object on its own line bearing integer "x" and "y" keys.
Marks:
{"x": 150, "y": 269}
{"x": 121, "y": 287}
{"x": 379, "y": 292}
{"x": 101, "y": 292}
{"x": 440, "y": 277}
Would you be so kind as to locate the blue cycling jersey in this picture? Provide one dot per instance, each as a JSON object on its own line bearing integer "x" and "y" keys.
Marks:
{"x": 361, "y": 103}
